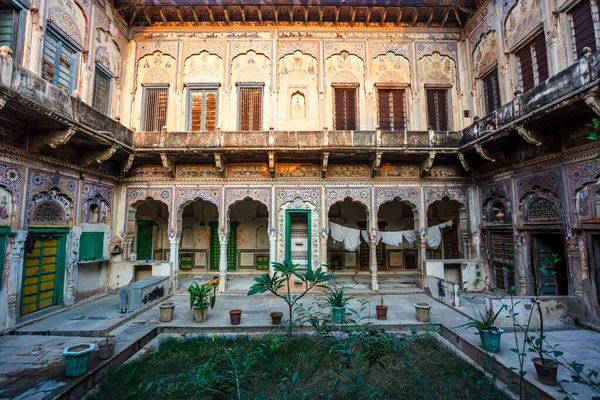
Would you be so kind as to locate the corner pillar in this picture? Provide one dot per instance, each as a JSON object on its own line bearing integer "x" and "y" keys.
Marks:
{"x": 174, "y": 239}
{"x": 222, "y": 262}
{"x": 373, "y": 261}
{"x": 15, "y": 268}
{"x": 272, "y": 250}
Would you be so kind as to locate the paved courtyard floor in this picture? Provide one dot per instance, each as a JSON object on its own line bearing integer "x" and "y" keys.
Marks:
{"x": 32, "y": 364}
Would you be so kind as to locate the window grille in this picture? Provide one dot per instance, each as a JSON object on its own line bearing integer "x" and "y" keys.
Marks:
{"x": 251, "y": 108}
{"x": 533, "y": 63}
{"x": 491, "y": 91}
{"x": 582, "y": 28}
{"x": 345, "y": 109}
{"x": 437, "y": 109}
{"x": 101, "y": 91}
{"x": 155, "y": 112}
{"x": 202, "y": 110}
{"x": 392, "y": 115}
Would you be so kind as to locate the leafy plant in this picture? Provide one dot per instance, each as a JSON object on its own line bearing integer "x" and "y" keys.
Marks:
{"x": 202, "y": 296}
{"x": 485, "y": 322}
{"x": 283, "y": 273}
{"x": 336, "y": 297}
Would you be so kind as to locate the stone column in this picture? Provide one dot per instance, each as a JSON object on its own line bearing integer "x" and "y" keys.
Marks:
{"x": 373, "y": 260}
{"x": 223, "y": 262}
{"x": 15, "y": 267}
{"x": 272, "y": 250}
{"x": 72, "y": 267}
{"x": 174, "y": 239}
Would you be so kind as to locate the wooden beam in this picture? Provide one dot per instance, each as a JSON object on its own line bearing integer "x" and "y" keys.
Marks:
{"x": 306, "y": 15}
{"x": 385, "y": 10}
{"x": 133, "y": 16}
{"x": 179, "y": 14}
{"x": 259, "y": 10}
{"x": 243, "y": 15}
{"x": 445, "y": 17}
{"x": 414, "y": 20}
{"x": 226, "y": 13}
{"x": 320, "y": 15}
{"x": 399, "y": 17}
{"x": 148, "y": 19}
{"x": 195, "y": 14}
{"x": 276, "y": 15}
{"x": 162, "y": 15}
{"x": 430, "y": 17}
{"x": 458, "y": 18}
{"x": 211, "y": 15}
{"x": 352, "y": 15}
{"x": 368, "y": 16}
{"x": 337, "y": 15}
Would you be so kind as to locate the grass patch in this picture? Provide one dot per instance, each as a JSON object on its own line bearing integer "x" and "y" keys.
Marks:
{"x": 302, "y": 367}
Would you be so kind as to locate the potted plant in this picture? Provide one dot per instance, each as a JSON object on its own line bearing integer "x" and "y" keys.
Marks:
{"x": 490, "y": 335}
{"x": 423, "y": 311}
{"x": 337, "y": 301}
{"x": 202, "y": 297}
{"x": 77, "y": 357}
{"x": 381, "y": 311}
{"x": 166, "y": 311}
{"x": 106, "y": 348}
{"x": 276, "y": 317}
{"x": 235, "y": 316}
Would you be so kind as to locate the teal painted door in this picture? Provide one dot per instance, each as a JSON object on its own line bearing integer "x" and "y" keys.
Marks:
{"x": 298, "y": 237}
{"x": 144, "y": 239}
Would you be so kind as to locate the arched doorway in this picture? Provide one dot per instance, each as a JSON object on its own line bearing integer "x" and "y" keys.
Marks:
{"x": 150, "y": 224}
{"x": 353, "y": 255}
{"x": 393, "y": 217}
{"x": 198, "y": 221}
{"x": 248, "y": 240}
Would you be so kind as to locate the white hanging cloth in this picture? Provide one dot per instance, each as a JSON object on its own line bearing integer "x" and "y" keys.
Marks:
{"x": 434, "y": 234}
{"x": 410, "y": 236}
{"x": 349, "y": 236}
{"x": 366, "y": 238}
{"x": 335, "y": 231}
{"x": 391, "y": 238}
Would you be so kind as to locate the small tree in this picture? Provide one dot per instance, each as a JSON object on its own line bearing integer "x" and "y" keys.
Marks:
{"x": 283, "y": 273}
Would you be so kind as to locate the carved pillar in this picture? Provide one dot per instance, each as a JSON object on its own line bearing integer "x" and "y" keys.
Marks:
{"x": 15, "y": 266}
{"x": 422, "y": 261}
{"x": 174, "y": 239}
{"x": 222, "y": 262}
{"x": 373, "y": 261}
{"x": 72, "y": 258}
{"x": 522, "y": 260}
{"x": 272, "y": 250}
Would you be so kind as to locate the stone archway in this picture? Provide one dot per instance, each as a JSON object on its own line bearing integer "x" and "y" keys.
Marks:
{"x": 354, "y": 215}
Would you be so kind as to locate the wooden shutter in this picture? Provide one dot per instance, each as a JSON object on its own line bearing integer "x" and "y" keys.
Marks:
{"x": 491, "y": 91}
{"x": 391, "y": 109}
{"x": 502, "y": 245}
{"x": 7, "y": 27}
{"x": 582, "y": 27}
{"x": 345, "y": 109}
{"x": 60, "y": 62}
{"x": 203, "y": 110}
{"x": 541, "y": 57}
{"x": 66, "y": 68}
{"x": 526, "y": 68}
{"x": 250, "y": 108}
{"x": 155, "y": 113}
{"x": 51, "y": 48}
{"x": 91, "y": 246}
{"x": 101, "y": 91}
{"x": 437, "y": 109}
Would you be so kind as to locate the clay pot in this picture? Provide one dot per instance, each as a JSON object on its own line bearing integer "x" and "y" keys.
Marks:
{"x": 276, "y": 317}
{"x": 200, "y": 314}
{"x": 235, "y": 316}
{"x": 500, "y": 216}
{"x": 546, "y": 372}
{"x": 166, "y": 311}
{"x": 423, "y": 311}
{"x": 106, "y": 348}
{"x": 381, "y": 312}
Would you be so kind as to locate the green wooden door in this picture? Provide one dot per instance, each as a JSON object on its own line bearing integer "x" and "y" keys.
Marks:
{"x": 262, "y": 262}
{"x": 288, "y": 233}
{"x": 215, "y": 251}
{"x": 144, "y": 239}
{"x": 43, "y": 273}
{"x": 186, "y": 261}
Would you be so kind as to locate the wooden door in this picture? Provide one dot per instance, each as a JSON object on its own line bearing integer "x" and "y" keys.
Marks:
{"x": 542, "y": 256}
{"x": 145, "y": 231}
{"x": 502, "y": 258}
{"x": 262, "y": 262}
{"x": 186, "y": 261}
{"x": 42, "y": 273}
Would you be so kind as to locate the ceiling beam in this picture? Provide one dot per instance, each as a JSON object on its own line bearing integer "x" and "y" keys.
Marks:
{"x": 458, "y": 18}
{"x": 162, "y": 15}
{"x": 306, "y": 15}
{"x": 352, "y": 15}
{"x": 368, "y": 16}
{"x": 430, "y": 17}
{"x": 445, "y": 17}
{"x": 226, "y": 13}
{"x": 195, "y": 14}
{"x": 337, "y": 15}
{"x": 133, "y": 16}
{"x": 291, "y": 12}
{"x": 242, "y": 8}
{"x": 399, "y": 17}
{"x": 211, "y": 15}
{"x": 385, "y": 10}
{"x": 148, "y": 19}
{"x": 179, "y": 14}
{"x": 414, "y": 20}
{"x": 276, "y": 15}
{"x": 320, "y": 15}
{"x": 259, "y": 10}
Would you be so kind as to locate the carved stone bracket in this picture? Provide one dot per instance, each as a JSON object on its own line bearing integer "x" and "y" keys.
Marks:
{"x": 376, "y": 161}
{"x": 593, "y": 102}
{"x": 219, "y": 163}
{"x": 272, "y": 163}
{"x": 324, "y": 162}
{"x": 483, "y": 153}
{"x": 99, "y": 156}
{"x": 463, "y": 161}
{"x": 168, "y": 163}
{"x": 529, "y": 135}
{"x": 427, "y": 163}
{"x": 127, "y": 165}
{"x": 3, "y": 101}
{"x": 52, "y": 138}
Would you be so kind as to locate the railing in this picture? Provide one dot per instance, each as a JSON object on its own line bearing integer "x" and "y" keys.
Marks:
{"x": 567, "y": 82}
{"x": 298, "y": 139}
{"x": 41, "y": 95}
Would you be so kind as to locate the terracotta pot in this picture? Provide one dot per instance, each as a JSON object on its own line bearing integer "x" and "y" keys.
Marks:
{"x": 166, "y": 311}
{"x": 546, "y": 373}
{"x": 106, "y": 348}
{"x": 235, "y": 316}
{"x": 423, "y": 311}
{"x": 200, "y": 314}
{"x": 500, "y": 216}
{"x": 276, "y": 317}
{"x": 381, "y": 312}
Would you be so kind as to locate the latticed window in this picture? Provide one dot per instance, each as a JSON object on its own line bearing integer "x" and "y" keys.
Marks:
{"x": 155, "y": 108}
{"x": 533, "y": 63}
{"x": 251, "y": 108}
{"x": 437, "y": 109}
{"x": 491, "y": 91}
{"x": 8, "y": 23}
{"x": 60, "y": 62}
{"x": 48, "y": 212}
{"x": 345, "y": 109}
{"x": 202, "y": 110}
{"x": 582, "y": 28}
{"x": 101, "y": 93}
{"x": 392, "y": 116}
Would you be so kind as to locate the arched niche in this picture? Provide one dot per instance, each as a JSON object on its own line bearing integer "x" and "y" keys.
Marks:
{"x": 203, "y": 68}
{"x": 70, "y": 18}
{"x": 398, "y": 215}
{"x": 485, "y": 54}
{"x": 50, "y": 208}
{"x": 496, "y": 210}
{"x": 349, "y": 214}
{"x": 7, "y": 207}
{"x": 522, "y": 20}
{"x": 250, "y": 67}
{"x": 96, "y": 210}
{"x": 198, "y": 220}
{"x": 390, "y": 68}
{"x": 298, "y": 91}
{"x": 245, "y": 219}
{"x": 344, "y": 68}
{"x": 157, "y": 68}
{"x": 541, "y": 206}
{"x": 148, "y": 228}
